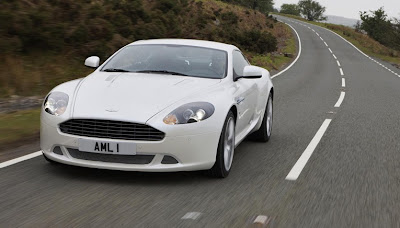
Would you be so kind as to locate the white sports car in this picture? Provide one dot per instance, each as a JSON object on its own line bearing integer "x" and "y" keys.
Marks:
{"x": 159, "y": 106}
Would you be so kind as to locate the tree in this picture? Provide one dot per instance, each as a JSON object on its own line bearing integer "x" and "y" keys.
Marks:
{"x": 292, "y": 9}
{"x": 379, "y": 27}
{"x": 312, "y": 10}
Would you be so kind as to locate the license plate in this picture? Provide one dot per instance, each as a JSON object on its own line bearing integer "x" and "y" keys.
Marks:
{"x": 107, "y": 147}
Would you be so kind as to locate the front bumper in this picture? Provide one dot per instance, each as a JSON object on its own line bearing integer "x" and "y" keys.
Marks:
{"x": 192, "y": 152}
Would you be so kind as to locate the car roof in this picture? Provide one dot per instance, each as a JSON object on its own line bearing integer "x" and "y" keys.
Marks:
{"x": 188, "y": 42}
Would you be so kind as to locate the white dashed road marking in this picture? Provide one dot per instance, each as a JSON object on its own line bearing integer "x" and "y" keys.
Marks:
{"x": 300, "y": 164}
{"x": 261, "y": 220}
{"x": 334, "y": 56}
{"x": 338, "y": 63}
{"x": 343, "y": 82}
{"x": 191, "y": 215}
{"x": 341, "y": 71}
{"x": 341, "y": 98}
{"x": 330, "y": 50}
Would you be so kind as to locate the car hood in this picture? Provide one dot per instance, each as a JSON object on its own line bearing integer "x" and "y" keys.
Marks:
{"x": 131, "y": 96}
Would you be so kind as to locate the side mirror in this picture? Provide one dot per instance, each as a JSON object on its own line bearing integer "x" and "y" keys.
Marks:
{"x": 252, "y": 72}
{"x": 92, "y": 61}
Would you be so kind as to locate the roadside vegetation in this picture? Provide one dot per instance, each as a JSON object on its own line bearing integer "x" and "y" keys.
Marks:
{"x": 20, "y": 126}
{"x": 44, "y": 43}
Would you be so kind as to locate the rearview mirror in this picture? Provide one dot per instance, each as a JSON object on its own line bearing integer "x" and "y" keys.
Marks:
{"x": 252, "y": 72}
{"x": 92, "y": 61}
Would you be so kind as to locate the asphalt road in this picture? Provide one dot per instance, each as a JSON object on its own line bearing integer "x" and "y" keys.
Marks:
{"x": 351, "y": 179}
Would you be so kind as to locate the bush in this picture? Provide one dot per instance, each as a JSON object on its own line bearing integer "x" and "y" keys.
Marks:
{"x": 230, "y": 18}
{"x": 259, "y": 42}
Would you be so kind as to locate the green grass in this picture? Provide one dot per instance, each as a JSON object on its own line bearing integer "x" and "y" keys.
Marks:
{"x": 19, "y": 125}
{"x": 276, "y": 62}
{"x": 365, "y": 43}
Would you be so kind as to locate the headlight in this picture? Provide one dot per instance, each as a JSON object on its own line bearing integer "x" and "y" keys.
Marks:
{"x": 56, "y": 103}
{"x": 190, "y": 113}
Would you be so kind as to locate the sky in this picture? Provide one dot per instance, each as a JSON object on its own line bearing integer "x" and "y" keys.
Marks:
{"x": 351, "y": 8}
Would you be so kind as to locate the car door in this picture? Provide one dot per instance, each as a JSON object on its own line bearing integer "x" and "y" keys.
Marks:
{"x": 246, "y": 93}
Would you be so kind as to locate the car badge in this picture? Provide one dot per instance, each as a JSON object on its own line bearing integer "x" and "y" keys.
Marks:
{"x": 111, "y": 110}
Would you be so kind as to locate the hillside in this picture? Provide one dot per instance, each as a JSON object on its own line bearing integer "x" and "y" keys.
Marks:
{"x": 45, "y": 42}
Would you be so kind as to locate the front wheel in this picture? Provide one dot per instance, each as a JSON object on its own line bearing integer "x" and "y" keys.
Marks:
{"x": 264, "y": 133}
{"x": 226, "y": 149}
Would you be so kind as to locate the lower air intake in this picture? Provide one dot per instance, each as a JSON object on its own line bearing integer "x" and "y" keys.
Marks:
{"x": 123, "y": 159}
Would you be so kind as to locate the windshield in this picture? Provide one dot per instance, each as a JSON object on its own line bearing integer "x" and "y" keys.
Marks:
{"x": 170, "y": 59}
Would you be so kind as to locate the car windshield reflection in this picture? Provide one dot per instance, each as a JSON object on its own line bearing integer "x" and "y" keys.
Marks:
{"x": 170, "y": 59}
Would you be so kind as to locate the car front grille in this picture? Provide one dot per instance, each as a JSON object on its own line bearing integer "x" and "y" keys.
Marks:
{"x": 111, "y": 129}
{"x": 123, "y": 159}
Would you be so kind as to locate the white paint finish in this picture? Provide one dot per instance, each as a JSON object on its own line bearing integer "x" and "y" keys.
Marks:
{"x": 325, "y": 44}
{"x": 343, "y": 82}
{"x": 334, "y": 56}
{"x": 20, "y": 159}
{"x": 300, "y": 164}
{"x": 317, "y": 34}
{"x": 261, "y": 219}
{"x": 330, "y": 50}
{"x": 341, "y": 71}
{"x": 191, "y": 215}
{"x": 341, "y": 98}
{"x": 321, "y": 38}
{"x": 338, "y": 63}
{"x": 298, "y": 55}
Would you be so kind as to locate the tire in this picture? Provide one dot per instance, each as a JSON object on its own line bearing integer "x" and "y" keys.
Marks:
{"x": 226, "y": 149}
{"x": 50, "y": 161}
{"x": 264, "y": 133}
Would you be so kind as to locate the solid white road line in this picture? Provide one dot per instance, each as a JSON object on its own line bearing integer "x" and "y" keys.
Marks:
{"x": 330, "y": 50}
{"x": 20, "y": 159}
{"x": 191, "y": 215}
{"x": 338, "y": 63}
{"x": 298, "y": 167}
{"x": 343, "y": 82}
{"x": 341, "y": 71}
{"x": 334, "y": 56}
{"x": 287, "y": 68}
{"x": 341, "y": 98}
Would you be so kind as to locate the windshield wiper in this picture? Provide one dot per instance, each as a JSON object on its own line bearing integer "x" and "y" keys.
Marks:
{"x": 162, "y": 72}
{"x": 115, "y": 70}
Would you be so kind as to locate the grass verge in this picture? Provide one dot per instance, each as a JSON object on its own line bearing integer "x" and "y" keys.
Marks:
{"x": 18, "y": 126}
